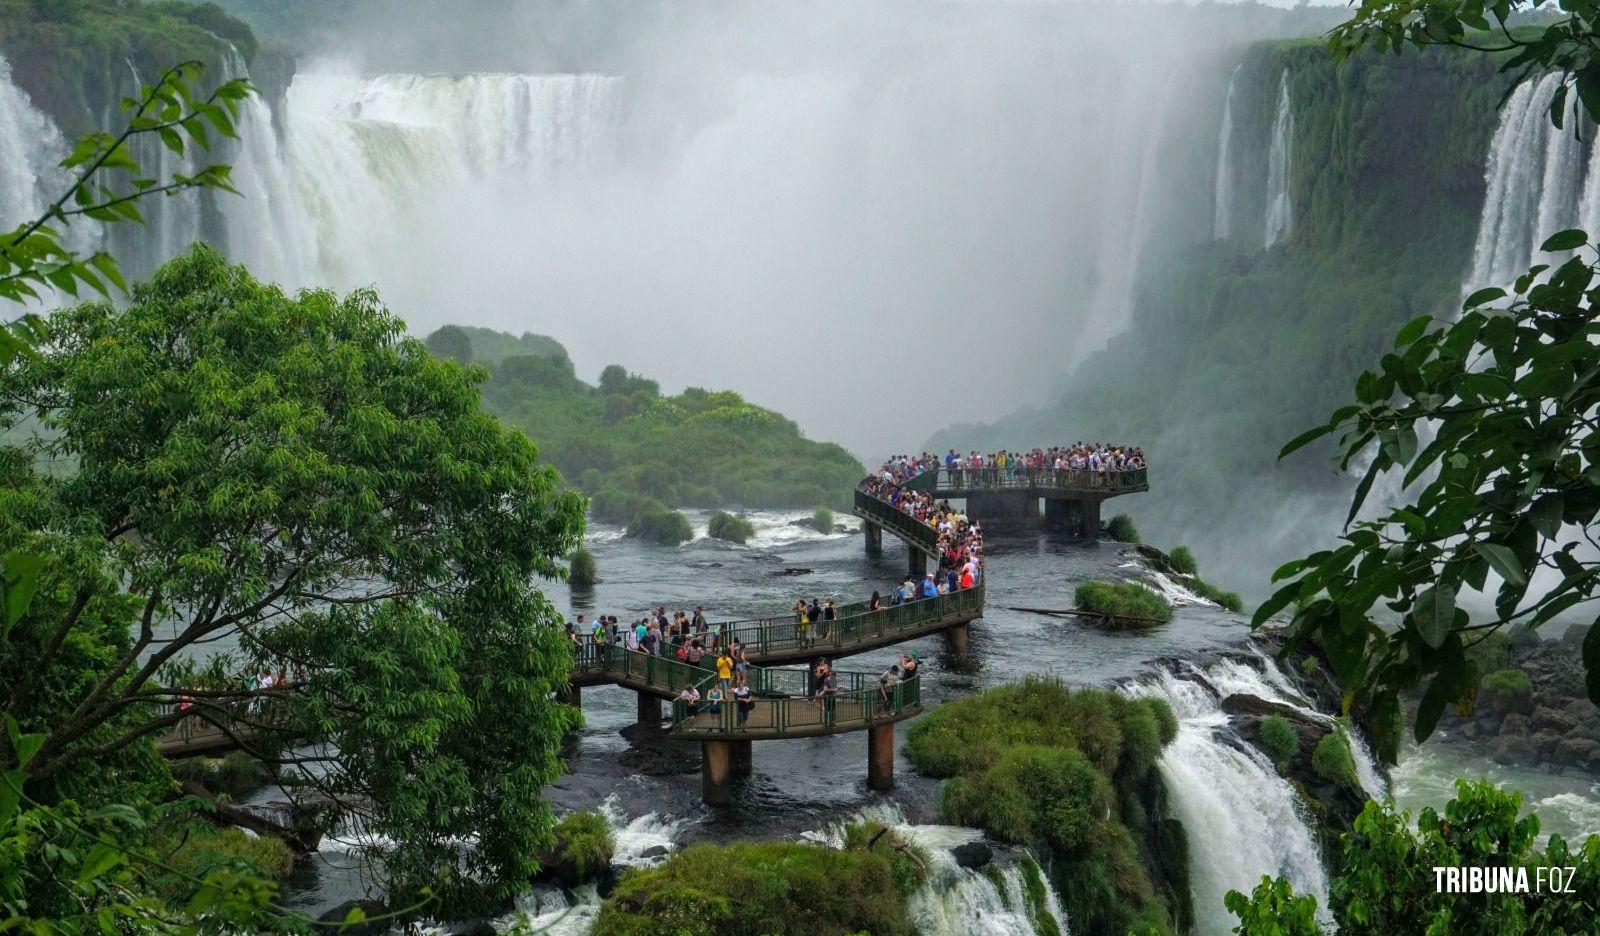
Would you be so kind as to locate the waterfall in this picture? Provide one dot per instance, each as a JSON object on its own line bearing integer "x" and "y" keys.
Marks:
{"x": 1536, "y": 184}
{"x": 1280, "y": 207}
{"x": 30, "y": 148}
{"x": 1243, "y": 820}
{"x": 957, "y": 901}
{"x": 1223, "y": 224}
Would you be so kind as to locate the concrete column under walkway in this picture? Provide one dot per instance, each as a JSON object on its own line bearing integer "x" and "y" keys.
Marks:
{"x": 1076, "y": 515}
{"x": 874, "y": 535}
{"x": 880, "y": 757}
{"x": 715, "y": 769}
{"x": 916, "y": 564}
{"x": 956, "y": 640}
{"x": 649, "y": 710}
{"x": 739, "y": 761}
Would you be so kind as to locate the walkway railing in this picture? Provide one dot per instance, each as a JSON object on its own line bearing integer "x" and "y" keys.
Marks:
{"x": 855, "y": 624}
{"x": 1041, "y": 480}
{"x": 897, "y": 521}
{"x": 659, "y": 672}
{"x": 781, "y": 706}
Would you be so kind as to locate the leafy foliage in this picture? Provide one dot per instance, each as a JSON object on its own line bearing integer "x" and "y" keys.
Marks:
{"x": 1279, "y": 738}
{"x": 308, "y": 483}
{"x": 759, "y": 889}
{"x": 1121, "y": 528}
{"x": 1333, "y": 760}
{"x": 729, "y": 528}
{"x": 661, "y": 526}
{"x": 822, "y": 519}
{"x": 1124, "y": 604}
{"x": 1039, "y": 764}
{"x": 1509, "y": 683}
{"x": 581, "y": 569}
{"x": 1387, "y": 881}
{"x": 1492, "y": 415}
{"x": 584, "y": 847}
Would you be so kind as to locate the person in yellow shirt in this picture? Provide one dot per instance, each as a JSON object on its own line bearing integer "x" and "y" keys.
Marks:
{"x": 725, "y": 669}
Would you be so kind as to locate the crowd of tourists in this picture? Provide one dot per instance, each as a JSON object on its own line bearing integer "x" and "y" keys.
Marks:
{"x": 1079, "y": 456}
{"x": 960, "y": 543}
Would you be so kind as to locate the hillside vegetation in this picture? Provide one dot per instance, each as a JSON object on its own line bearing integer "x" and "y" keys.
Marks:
{"x": 635, "y": 450}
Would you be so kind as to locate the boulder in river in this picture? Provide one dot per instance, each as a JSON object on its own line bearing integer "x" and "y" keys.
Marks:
{"x": 972, "y": 854}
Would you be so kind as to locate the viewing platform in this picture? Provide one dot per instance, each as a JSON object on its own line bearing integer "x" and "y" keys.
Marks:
{"x": 781, "y": 709}
{"x": 995, "y": 496}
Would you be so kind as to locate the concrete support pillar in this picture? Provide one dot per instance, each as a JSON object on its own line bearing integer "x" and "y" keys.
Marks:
{"x": 715, "y": 770}
{"x": 874, "y": 535}
{"x": 880, "y": 756}
{"x": 1079, "y": 516}
{"x": 956, "y": 639}
{"x": 649, "y": 710}
{"x": 917, "y": 564}
{"x": 739, "y": 761}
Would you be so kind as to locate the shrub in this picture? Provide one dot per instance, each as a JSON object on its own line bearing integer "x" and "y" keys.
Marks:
{"x": 1210, "y": 592}
{"x": 1183, "y": 560}
{"x": 908, "y": 860}
{"x": 1061, "y": 770}
{"x": 581, "y": 569}
{"x": 1333, "y": 762}
{"x": 1510, "y": 683}
{"x": 1310, "y": 666}
{"x": 758, "y": 888}
{"x": 193, "y": 850}
{"x": 660, "y": 525}
{"x": 1280, "y": 739}
{"x": 1125, "y": 603}
{"x": 1121, "y": 528}
{"x": 584, "y": 846}
{"x": 822, "y": 519}
{"x": 725, "y": 526}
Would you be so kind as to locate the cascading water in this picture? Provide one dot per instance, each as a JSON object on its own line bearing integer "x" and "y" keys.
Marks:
{"x": 1280, "y": 207}
{"x": 1222, "y": 225}
{"x": 1536, "y": 184}
{"x": 1243, "y": 820}
{"x": 30, "y": 147}
{"x": 957, "y": 901}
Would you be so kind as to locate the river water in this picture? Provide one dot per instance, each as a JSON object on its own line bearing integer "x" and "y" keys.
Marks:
{"x": 1243, "y": 820}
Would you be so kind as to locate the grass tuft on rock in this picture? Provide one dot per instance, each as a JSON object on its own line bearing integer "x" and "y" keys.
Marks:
{"x": 1333, "y": 761}
{"x": 760, "y": 889}
{"x": 729, "y": 528}
{"x": 1280, "y": 739}
{"x": 583, "y": 850}
{"x": 663, "y": 526}
{"x": 1183, "y": 560}
{"x": 1126, "y": 604}
{"x": 822, "y": 519}
{"x": 581, "y": 569}
{"x": 1121, "y": 528}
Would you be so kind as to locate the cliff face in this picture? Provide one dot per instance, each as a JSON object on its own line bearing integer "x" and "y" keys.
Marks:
{"x": 1233, "y": 348}
{"x": 77, "y": 59}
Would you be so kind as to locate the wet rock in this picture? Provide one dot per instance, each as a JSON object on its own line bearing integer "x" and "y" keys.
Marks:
{"x": 472, "y": 928}
{"x": 792, "y": 570}
{"x": 371, "y": 908}
{"x": 655, "y": 853}
{"x": 972, "y": 854}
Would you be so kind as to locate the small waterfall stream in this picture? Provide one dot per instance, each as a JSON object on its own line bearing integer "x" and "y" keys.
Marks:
{"x": 1222, "y": 224}
{"x": 1280, "y": 207}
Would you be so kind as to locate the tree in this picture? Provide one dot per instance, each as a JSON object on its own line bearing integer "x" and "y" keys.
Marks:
{"x": 1390, "y": 879}
{"x": 295, "y": 478}
{"x": 451, "y": 342}
{"x": 1490, "y": 425}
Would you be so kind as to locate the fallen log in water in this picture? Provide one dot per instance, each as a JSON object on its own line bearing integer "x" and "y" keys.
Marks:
{"x": 1056, "y": 612}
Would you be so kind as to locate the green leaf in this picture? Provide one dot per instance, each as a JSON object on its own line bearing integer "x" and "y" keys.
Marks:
{"x": 1412, "y": 330}
{"x": 19, "y": 578}
{"x": 1483, "y": 297}
{"x": 1504, "y": 562}
{"x": 100, "y": 860}
{"x": 1305, "y": 438}
{"x": 1570, "y": 239}
{"x": 11, "y": 794}
{"x": 1433, "y": 613}
{"x": 1440, "y": 692}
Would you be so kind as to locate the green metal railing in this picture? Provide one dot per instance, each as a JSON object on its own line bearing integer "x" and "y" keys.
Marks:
{"x": 660, "y": 672}
{"x": 855, "y": 624}
{"x": 1042, "y": 480}
{"x": 897, "y": 521}
{"x": 783, "y": 703}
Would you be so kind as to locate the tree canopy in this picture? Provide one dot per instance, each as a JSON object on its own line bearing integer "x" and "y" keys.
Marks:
{"x": 294, "y": 483}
